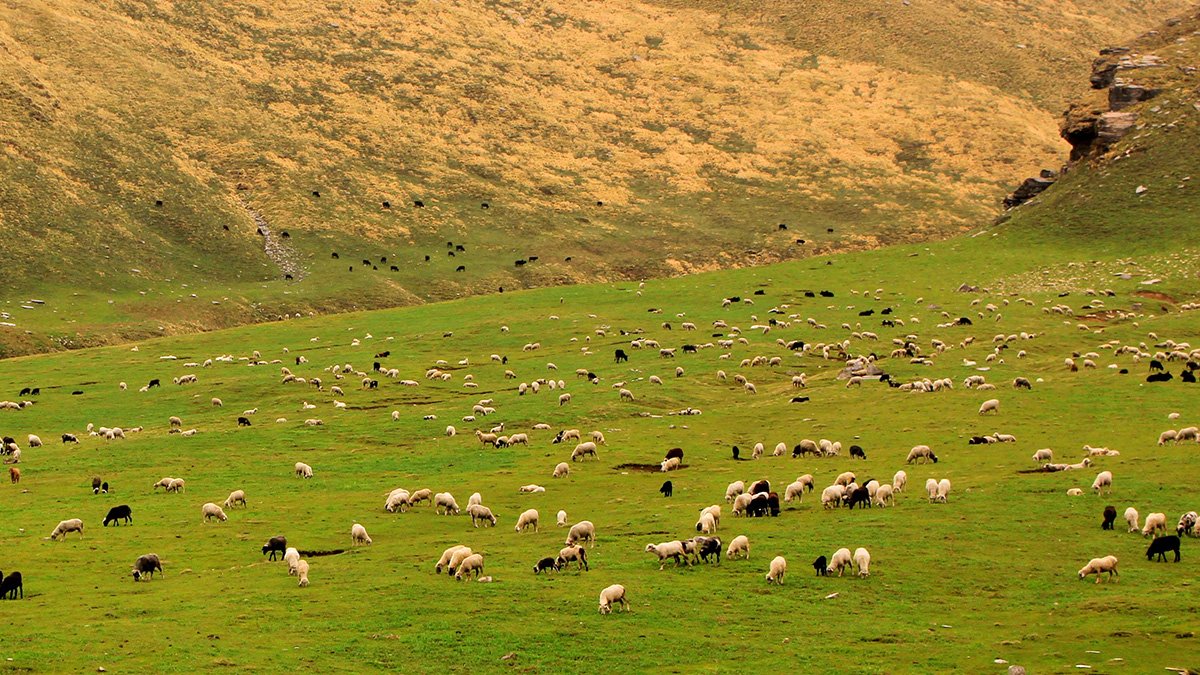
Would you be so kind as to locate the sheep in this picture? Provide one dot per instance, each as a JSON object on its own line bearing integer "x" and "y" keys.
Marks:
{"x": 145, "y": 566}
{"x": 176, "y": 485}
{"x": 359, "y": 536}
{"x": 14, "y": 475}
{"x": 734, "y": 489}
{"x": 885, "y": 494}
{"x": 118, "y": 513}
{"x": 741, "y": 502}
{"x": 313, "y": 422}
{"x": 447, "y": 555}
{"x": 1103, "y": 480}
{"x": 527, "y": 519}
{"x": 845, "y": 478}
{"x": 235, "y": 497}
{"x": 990, "y": 405}
{"x": 451, "y": 431}
{"x": 739, "y": 546}
{"x": 474, "y": 499}
{"x": 572, "y": 553}
{"x": 611, "y": 594}
{"x": 670, "y": 464}
{"x": 794, "y": 491}
{"x": 175, "y": 421}
{"x": 862, "y": 560}
{"x": 445, "y": 500}
{"x": 35, "y": 441}
{"x": 707, "y": 524}
{"x": 1099, "y": 566}
{"x": 1161, "y": 545}
{"x": 1187, "y": 524}
{"x": 831, "y": 497}
{"x": 303, "y": 470}
{"x": 562, "y": 518}
{"x": 598, "y": 438}
{"x": 471, "y": 564}
{"x": 210, "y": 511}
{"x": 531, "y": 489}
{"x": 899, "y": 481}
{"x": 396, "y": 499}
{"x": 583, "y": 450}
{"x": 422, "y": 495}
{"x": 1044, "y": 455}
{"x": 841, "y": 560}
{"x": 943, "y": 490}
{"x": 518, "y": 439}
{"x": 291, "y": 557}
{"x": 1168, "y": 435}
{"x": 668, "y": 549}
{"x": 1074, "y": 492}
{"x": 1131, "y": 518}
{"x": 921, "y": 452}
{"x": 302, "y": 573}
{"x": 1155, "y": 522}
{"x": 276, "y": 544}
{"x": 931, "y": 488}
{"x": 778, "y": 569}
{"x": 584, "y": 530}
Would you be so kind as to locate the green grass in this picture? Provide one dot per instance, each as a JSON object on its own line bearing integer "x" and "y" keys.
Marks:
{"x": 989, "y": 575}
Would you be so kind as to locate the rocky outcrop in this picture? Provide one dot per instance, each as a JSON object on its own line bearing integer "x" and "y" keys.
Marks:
{"x": 1031, "y": 188}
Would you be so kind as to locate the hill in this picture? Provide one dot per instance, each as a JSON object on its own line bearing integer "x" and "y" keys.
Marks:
{"x": 637, "y": 139}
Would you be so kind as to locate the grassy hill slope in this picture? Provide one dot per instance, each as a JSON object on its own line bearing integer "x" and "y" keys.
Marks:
{"x": 698, "y": 129}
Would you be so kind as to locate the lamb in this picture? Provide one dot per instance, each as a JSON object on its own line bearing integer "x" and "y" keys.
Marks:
{"x": 145, "y": 566}
{"x": 445, "y": 500}
{"x": 584, "y": 530}
{"x": 739, "y": 546}
{"x": 527, "y": 519}
{"x": 1155, "y": 522}
{"x": 1099, "y": 566}
{"x": 862, "y": 560}
{"x": 302, "y": 573}
{"x": 472, "y": 564}
{"x": 359, "y": 536}
{"x": 583, "y": 450}
{"x": 899, "y": 481}
{"x": 276, "y": 544}
{"x": 921, "y": 452}
{"x": 841, "y": 560}
{"x": 291, "y": 557}
{"x": 1103, "y": 480}
{"x": 303, "y": 470}
{"x": 990, "y": 405}
{"x": 598, "y": 438}
{"x": 448, "y": 555}
{"x": 611, "y": 594}
{"x": 235, "y": 497}
{"x": 561, "y": 470}
{"x": 668, "y": 549}
{"x": 66, "y": 526}
{"x": 778, "y": 569}
{"x": 210, "y": 511}
{"x": 573, "y": 553}
{"x": 1131, "y": 518}
{"x": 562, "y": 518}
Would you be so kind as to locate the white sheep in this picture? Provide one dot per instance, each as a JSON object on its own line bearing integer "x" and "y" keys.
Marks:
{"x": 899, "y": 481}
{"x": 611, "y": 594}
{"x": 210, "y": 511}
{"x": 862, "y": 560}
{"x": 531, "y": 489}
{"x": 584, "y": 530}
{"x": 1155, "y": 522}
{"x": 943, "y": 490}
{"x": 845, "y": 478}
{"x": 359, "y": 536}
{"x": 794, "y": 491}
{"x": 302, "y": 572}
{"x": 583, "y": 450}
{"x": 990, "y": 405}
{"x": 884, "y": 495}
{"x": 669, "y": 464}
{"x": 778, "y": 569}
{"x": 1131, "y": 518}
{"x": 475, "y": 498}
{"x": 396, "y": 499}
{"x": 1044, "y": 455}
{"x": 668, "y": 549}
{"x": 931, "y": 488}
{"x": 1099, "y": 566}
{"x": 1074, "y": 492}
{"x": 451, "y": 431}
{"x": 292, "y": 557}
{"x": 735, "y": 488}
{"x": 481, "y": 514}
{"x": 34, "y": 441}
{"x": 921, "y": 452}
{"x": 562, "y": 518}
{"x": 448, "y": 555}
{"x": 471, "y": 564}
{"x": 841, "y": 559}
{"x": 707, "y": 524}
{"x": 235, "y": 497}
{"x": 527, "y": 519}
{"x": 562, "y": 470}
{"x": 1103, "y": 480}
{"x": 831, "y": 497}
{"x": 303, "y": 470}
{"x": 739, "y": 546}
{"x": 66, "y": 526}
{"x": 445, "y": 500}
{"x": 176, "y": 485}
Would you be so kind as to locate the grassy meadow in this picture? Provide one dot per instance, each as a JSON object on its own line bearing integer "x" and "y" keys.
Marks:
{"x": 990, "y": 575}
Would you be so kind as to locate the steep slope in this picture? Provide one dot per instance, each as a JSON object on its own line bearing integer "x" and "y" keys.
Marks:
{"x": 634, "y": 139}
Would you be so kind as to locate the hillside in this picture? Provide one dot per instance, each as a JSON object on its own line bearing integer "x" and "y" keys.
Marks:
{"x": 635, "y": 138}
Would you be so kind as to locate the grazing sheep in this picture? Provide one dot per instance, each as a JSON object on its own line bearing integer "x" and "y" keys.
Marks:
{"x": 474, "y": 499}
{"x": 1103, "y": 480}
{"x": 778, "y": 569}
{"x": 527, "y": 519}
{"x": 841, "y": 560}
{"x": 671, "y": 464}
{"x": 735, "y": 488}
{"x": 444, "y": 500}
{"x": 276, "y": 544}
{"x": 821, "y": 565}
{"x": 472, "y": 564}
{"x": 1110, "y": 517}
{"x": 545, "y": 565}
{"x": 1187, "y": 524}
{"x": 845, "y": 478}
{"x": 584, "y": 530}
{"x": 422, "y": 495}
{"x": 451, "y": 431}
{"x": 862, "y": 560}
{"x": 175, "y": 421}
{"x": 67, "y": 526}
{"x": 831, "y": 497}
{"x": 1099, "y": 566}
{"x": 448, "y": 555}
{"x": 302, "y": 573}
{"x": 707, "y": 524}
{"x": 1161, "y": 546}
{"x": 899, "y": 481}
{"x": 943, "y": 490}
{"x": 35, "y": 441}
{"x": 145, "y": 566}
{"x": 990, "y": 405}
{"x": 561, "y": 470}
{"x": 292, "y": 558}
{"x": 235, "y": 497}
{"x": 562, "y": 518}
{"x": 1131, "y": 518}
{"x": 669, "y": 549}
{"x": 303, "y": 470}
{"x": 575, "y": 554}
{"x": 14, "y": 475}
{"x": 1044, "y": 455}
{"x": 884, "y": 495}
{"x": 1155, "y": 522}
{"x": 921, "y": 452}
{"x": 396, "y": 500}
{"x": 611, "y": 594}
{"x": 210, "y": 511}
{"x": 216, "y": 402}
{"x": 359, "y": 536}
{"x": 794, "y": 491}
{"x": 583, "y": 450}
{"x": 116, "y": 513}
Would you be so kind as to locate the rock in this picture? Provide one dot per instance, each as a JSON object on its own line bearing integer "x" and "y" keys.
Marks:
{"x": 1124, "y": 94}
{"x": 1141, "y": 189}
{"x": 1031, "y": 188}
{"x": 1112, "y": 126}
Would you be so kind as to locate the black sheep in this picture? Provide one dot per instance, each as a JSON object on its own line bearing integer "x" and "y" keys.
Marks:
{"x": 736, "y": 452}
{"x": 276, "y": 544}
{"x": 11, "y": 585}
{"x": 758, "y": 507}
{"x": 69, "y": 438}
{"x": 116, "y": 513}
{"x": 800, "y": 399}
{"x": 96, "y": 481}
{"x": 1160, "y": 377}
{"x": 545, "y": 565}
{"x": 675, "y": 452}
{"x": 821, "y": 565}
{"x": 1156, "y": 366}
{"x": 153, "y": 383}
{"x": 1110, "y": 516}
{"x": 146, "y": 566}
{"x": 104, "y": 488}
{"x": 857, "y": 451}
{"x": 861, "y": 496}
{"x": 1187, "y": 376}
{"x": 1161, "y": 545}
{"x": 243, "y": 421}
{"x": 707, "y": 547}
{"x": 620, "y": 355}
{"x": 773, "y": 504}
{"x": 667, "y": 489}
{"x": 759, "y": 486}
